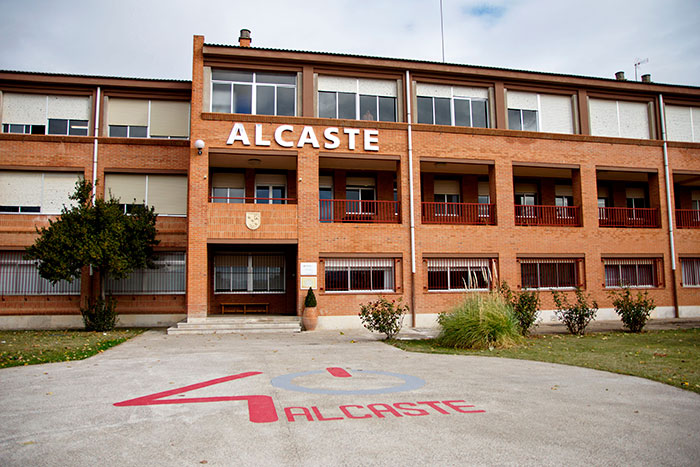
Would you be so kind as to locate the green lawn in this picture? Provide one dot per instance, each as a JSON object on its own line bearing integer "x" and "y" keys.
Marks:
{"x": 32, "y": 347}
{"x": 671, "y": 357}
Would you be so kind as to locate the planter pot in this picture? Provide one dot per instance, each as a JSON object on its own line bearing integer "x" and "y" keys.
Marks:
{"x": 309, "y": 318}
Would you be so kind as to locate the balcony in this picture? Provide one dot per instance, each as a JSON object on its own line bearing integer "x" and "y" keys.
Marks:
{"x": 458, "y": 213}
{"x": 251, "y": 200}
{"x": 566, "y": 216}
{"x": 688, "y": 218}
{"x": 359, "y": 211}
{"x": 228, "y": 221}
{"x": 629, "y": 217}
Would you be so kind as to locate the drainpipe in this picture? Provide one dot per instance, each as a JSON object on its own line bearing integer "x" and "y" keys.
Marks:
{"x": 410, "y": 194}
{"x": 668, "y": 203}
{"x": 94, "y": 150}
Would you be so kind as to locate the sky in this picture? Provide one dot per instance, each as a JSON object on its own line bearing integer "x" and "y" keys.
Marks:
{"x": 153, "y": 38}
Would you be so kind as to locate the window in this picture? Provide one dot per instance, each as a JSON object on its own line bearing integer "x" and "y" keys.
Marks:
{"x": 633, "y": 272}
{"x": 683, "y": 123}
{"x": 452, "y": 274}
{"x": 256, "y": 93}
{"x": 525, "y": 200}
{"x": 453, "y": 111}
{"x": 36, "y": 192}
{"x": 360, "y": 200}
{"x": 545, "y": 273}
{"x": 357, "y": 99}
{"x": 619, "y": 118}
{"x": 691, "y": 272}
{"x": 167, "y": 278}
{"x": 359, "y": 274}
{"x": 523, "y": 120}
{"x": 41, "y": 114}
{"x": 271, "y": 189}
{"x": 144, "y": 118}
{"x": 19, "y": 276}
{"x": 249, "y": 273}
{"x": 447, "y": 191}
{"x": 228, "y": 188}
{"x": 325, "y": 195}
{"x": 166, "y": 193}
{"x": 64, "y": 126}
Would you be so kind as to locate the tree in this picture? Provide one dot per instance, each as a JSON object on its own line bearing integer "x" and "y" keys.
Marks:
{"x": 98, "y": 234}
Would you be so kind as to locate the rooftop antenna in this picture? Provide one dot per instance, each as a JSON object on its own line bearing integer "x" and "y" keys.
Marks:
{"x": 442, "y": 33}
{"x": 637, "y": 63}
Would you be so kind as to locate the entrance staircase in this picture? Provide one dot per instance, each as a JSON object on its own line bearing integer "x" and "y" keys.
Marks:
{"x": 240, "y": 324}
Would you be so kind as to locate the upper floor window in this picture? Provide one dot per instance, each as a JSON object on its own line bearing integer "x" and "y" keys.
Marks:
{"x": 357, "y": 99}
{"x": 38, "y": 114}
{"x": 530, "y": 111}
{"x": 35, "y": 192}
{"x": 625, "y": 119}
{"x": 270, "y": 189}
{"x": 228, "y": 188}
{"x": 452, "y": 105}
{"x": 166, "y": 193}
{"x": 683, "y": 123}
{"x": 257, "y": 93}
{"x": 143, "y": 118}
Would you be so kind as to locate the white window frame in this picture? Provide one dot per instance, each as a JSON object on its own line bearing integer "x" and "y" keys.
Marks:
{"x": 611, "y": 262}
{"x": 452, "y": 100}
{"x": 254, "y": 86}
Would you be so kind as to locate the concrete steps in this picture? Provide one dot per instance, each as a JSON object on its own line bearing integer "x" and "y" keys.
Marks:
{"x": 239, "y": 324}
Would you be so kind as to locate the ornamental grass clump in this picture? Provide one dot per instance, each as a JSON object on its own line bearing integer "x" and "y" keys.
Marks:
{"x": 479, "y": 322}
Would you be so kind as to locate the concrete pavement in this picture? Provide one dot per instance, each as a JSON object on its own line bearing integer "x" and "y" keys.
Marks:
{"x": 327, "y": 398}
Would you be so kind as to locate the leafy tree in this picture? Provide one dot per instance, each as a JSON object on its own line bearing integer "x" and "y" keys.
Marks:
{"x": 97, "y": 234}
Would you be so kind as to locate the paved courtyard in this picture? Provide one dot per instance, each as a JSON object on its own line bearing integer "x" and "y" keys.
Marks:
{"x": 328, "y": 398}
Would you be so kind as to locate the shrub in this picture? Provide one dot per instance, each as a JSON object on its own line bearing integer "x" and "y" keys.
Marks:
{"x": 384, "y": 316}
{"x": 310, "y": 300}
{"x": 634, "y": 312}
{"x": 575, "y": 316}
{"x": 479, "y": 322}
{"x": 525, "y": 305}
{"x": 99, "y": 314}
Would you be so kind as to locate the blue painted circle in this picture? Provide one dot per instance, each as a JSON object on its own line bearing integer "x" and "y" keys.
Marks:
{"x": 410, "y": 383}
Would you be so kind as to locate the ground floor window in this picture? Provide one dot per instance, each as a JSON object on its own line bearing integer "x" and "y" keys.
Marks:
{"x": 169, "y": 277}
{"x": 19, "y": 276}
{"x": 249, "y": 273}
{"x": 631, "y": 272}
{"x": 359, "y": 274}
{"x": 691, "y": 272}
{"x": 549, "y": 273}
{"x": 459, "y": 274}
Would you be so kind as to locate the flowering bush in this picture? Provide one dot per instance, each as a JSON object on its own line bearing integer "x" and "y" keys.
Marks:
{"x": 384, "y": 316}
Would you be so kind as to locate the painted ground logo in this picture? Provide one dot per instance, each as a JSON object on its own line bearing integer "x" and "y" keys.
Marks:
{"x": 262, "y": 409}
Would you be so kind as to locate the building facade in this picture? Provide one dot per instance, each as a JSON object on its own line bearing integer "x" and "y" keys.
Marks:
{"x": 274, "y": 171}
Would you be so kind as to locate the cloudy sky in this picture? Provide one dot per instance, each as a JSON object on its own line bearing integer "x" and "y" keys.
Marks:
{"x": 153, "y": 38}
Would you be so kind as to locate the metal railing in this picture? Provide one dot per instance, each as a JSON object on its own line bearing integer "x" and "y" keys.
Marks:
{"x": 628, "y": 217}
{"x": 547, "y": 215}
{"x": 688, "y": 218}
{"x": 251, "y": 200}
{"x": 350, "y": 210}
{"x": 458, "y": 213}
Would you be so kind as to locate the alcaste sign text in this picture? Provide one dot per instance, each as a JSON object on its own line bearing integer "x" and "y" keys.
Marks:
{"x": 331, "y": 137}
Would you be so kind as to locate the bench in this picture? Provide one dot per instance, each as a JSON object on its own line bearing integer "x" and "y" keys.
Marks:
{"x": 244, "y": 308}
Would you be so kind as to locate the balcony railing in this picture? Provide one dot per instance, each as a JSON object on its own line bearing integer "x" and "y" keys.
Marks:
{"x": 251, "y": 200}
{"x": 688, "y": 218}
{"x": 628, "y": 217}
{"x": 350, "y": 210}
{"x": 458, "y": 213}
{"x": 547, "y": 215}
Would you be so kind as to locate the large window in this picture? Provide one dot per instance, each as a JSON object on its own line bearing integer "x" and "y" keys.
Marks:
{"x": 257, "y": 93}
{"x": 271, "y": 189}
{"x": 691, "y": 272}
{"x": 549, "y": 273}
{"x": 228, "y": 188}
{"x": 167, "y": 278}
{"x": 631, "y": 272}
{"x": 624, "y": 119}
{"x": 359, "y": 274}
{"x": 19, "y": 276}
{"x": 35, "y": 192}
{"x": 357, "y": 99}
{"x": 143, "y": 118}
{"x": 249, "y": 273}
{"x": 40, "y": 114}
{"x": 166, "y": 193}
{"x": 456, "y": 111}
{"x": 452, "y": 274}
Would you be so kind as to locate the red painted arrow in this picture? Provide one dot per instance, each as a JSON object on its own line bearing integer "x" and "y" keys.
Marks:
{"x": 261, "y": 409}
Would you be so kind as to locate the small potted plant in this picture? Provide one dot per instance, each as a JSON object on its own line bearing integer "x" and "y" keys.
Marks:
{"x": 309, "y": 318}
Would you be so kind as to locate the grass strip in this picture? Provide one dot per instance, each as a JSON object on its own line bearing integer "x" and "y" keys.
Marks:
{"x": 33, "y": 347}
{"x": 671, "y": 357}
